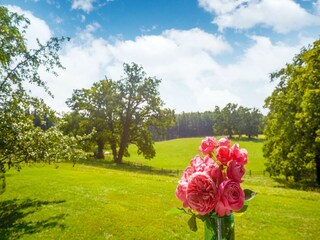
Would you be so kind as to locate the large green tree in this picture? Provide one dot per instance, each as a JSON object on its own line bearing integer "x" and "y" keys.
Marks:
{"x": 293, "y": 122}
{"x": 226, "y": 121}
{"x": 20, "y": 140}
{"x": 250, "y": 121}
{"x": 95, "y": 108}
{"x": 122, "y": 112}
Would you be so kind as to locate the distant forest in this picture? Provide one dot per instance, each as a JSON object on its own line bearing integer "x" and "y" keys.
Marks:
{"x": 229, "y": 121}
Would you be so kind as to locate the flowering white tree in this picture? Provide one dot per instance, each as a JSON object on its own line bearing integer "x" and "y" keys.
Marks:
{"x": 20, "y": 140}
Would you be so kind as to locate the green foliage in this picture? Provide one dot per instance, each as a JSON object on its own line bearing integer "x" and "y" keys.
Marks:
{"x": 226, "y": 120}
{"x": 192, "y": 222}
{"x": 122, "y": 112}
{"x": 20, "y": 140}
{"x": 230, "y": 120}
{"x": 292, "y": 147}
{"x": 234, "y": 119}
{"x": 249, "y": 194}
{"x": 95, "y": 108}
{"x": 242, "y": 210}
{"x": 193, "y": 124}
{"x": 18, "y": 63}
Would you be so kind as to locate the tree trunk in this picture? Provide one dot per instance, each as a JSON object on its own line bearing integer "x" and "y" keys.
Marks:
{"x": 122, "y": 148}
{"x": 230, "y": 133}
{"x": 100, "y": 153}
{"x": 317, "y": 159}
{"x": 123, "y": 144}
{"x": 114, "y": 150}
{"x": 2, "y": 179}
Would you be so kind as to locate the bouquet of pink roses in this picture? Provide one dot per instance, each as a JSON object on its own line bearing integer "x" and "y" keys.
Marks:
{"x": 212, "y": 183}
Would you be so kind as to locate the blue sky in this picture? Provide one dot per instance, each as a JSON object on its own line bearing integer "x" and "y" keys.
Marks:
{"x": 207, "y": 52}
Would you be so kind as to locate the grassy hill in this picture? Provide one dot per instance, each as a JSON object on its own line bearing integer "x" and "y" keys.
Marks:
{"x": 108, "y": 202}
{"x": 177, "y": 153}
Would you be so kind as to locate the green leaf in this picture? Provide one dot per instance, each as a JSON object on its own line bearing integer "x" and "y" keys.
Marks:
{"x": 175, "y": 211}
{"x": 241, "y": 211}
{"x": 249, "y": 194}
{"x": 193, "y": 223}
{"x": 203, "y": 217}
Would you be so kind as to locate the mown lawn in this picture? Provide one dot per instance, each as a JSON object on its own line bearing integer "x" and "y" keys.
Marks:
{"x": 176, "y": 154}
{"x": 87, "y": 202}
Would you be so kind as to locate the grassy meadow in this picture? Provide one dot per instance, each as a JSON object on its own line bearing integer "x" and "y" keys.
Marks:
{"x": 104, "y": 201}
{"x": 176, "y": 154}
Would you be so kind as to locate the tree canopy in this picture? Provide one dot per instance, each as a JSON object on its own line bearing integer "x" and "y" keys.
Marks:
{"x": 245, "y": 121}
{"x": 122, "y": 112}
{"x": 20, "y": 140}
{"x": 293, "y": 123}
{"x": 233, "y": 119}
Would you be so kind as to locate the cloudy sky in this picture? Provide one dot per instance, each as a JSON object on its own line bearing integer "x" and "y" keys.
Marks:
{"x": 207, "y": 52}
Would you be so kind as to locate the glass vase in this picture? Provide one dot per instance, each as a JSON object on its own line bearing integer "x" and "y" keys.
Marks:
{"x": 219, "y": 228}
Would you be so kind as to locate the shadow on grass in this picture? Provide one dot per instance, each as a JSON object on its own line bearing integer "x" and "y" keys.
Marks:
{"x": 306, "y": 185}
{"x": 132, "y": 167}
{"x": 13, "y": 213}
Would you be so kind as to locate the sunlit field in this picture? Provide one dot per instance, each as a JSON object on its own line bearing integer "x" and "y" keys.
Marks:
{"x": 177, "y": 153}
{"x": 129, "y": 202}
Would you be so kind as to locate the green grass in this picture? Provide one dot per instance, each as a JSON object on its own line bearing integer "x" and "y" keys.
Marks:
{"x": 177, "y": 153}
{"x": 109, "y": 202}
{"x": 89, "y": 203}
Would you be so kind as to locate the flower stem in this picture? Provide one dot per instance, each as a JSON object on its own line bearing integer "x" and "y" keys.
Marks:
{"x": 219, "y": 228}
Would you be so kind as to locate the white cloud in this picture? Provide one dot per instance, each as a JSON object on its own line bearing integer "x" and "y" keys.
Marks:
{"x": 192, "y": 80}
{"x": 38, "y": 29}
{"x": 58, "y": 20}
{"x": 85, "y": 5}
{"x": 208, "y": 98}
{"x": 249, "y": 77}
{"x": 221, "y": 6}
{"x": 147, "y": 30}
{"x": 183, "y": 66}
{"x": 185, "y": 60}
{"x": 83, "y": 18}
{"x": 258, "y": 61}
{"x": 90, "y": 28}
{"x": 282, "y": 16}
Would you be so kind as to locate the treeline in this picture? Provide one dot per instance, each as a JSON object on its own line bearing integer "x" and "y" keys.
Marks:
{"x": 229, "y": 120}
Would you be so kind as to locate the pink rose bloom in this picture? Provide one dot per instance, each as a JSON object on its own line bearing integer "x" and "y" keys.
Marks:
{"x": 235, "y": 171}
{"x": 207, "y": 160}
{"x": 212, "y": 168}
{"x": 223, "y": 154}
{"x": 197, "y": 164}
{"x": 239, "y": 155}
{"x": 201, "y": 193}
{"x": 224, "y": 142}
{"x": 231, "y": 197}
{"x": 200, "y": 164}
{"x": 221, "y": 210}
{"x": 208, "y": 145}
{"x": 186, "y": 174}
{"x": 206, "y": 165}
{"x": 181, "y": 193}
